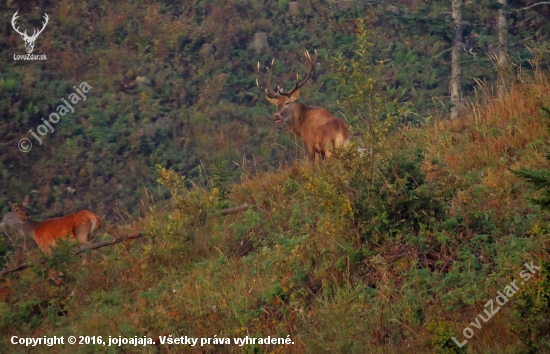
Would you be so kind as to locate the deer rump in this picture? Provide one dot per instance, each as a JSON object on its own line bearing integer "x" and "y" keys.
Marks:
{"x": 322, "y": 133}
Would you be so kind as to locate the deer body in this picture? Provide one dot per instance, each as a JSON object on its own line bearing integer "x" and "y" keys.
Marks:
{"x": 320, "y": 130}
{"x": 79, "y": 226}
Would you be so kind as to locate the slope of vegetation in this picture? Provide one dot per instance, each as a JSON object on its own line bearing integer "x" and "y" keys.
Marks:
{"x": 396, "y": 251}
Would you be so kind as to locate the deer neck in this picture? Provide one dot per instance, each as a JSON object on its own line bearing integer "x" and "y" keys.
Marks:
{"x": 29, "y": 226}
{"x": 295, "y": 125}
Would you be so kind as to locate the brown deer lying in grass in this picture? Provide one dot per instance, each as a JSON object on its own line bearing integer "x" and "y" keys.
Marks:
{"x": 320, "y": 130}
{"x": 79, "y": 226}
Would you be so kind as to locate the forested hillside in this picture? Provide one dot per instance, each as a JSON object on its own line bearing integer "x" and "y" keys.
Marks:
{"x": 173, "y": 84}
{"x": 396, "y": 247}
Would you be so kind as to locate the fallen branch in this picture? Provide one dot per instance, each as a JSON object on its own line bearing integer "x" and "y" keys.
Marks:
{"x": 236, "y": 209}
{"x": 110, "y": 242}
{"x": 80, "y": 250}
{"x": 528, "y": 7}
{"x": 19, "y": 267}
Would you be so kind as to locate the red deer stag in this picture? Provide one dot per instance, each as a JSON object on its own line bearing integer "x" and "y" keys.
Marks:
{"x": 79, "y": 226}
{"x": 320, "y": 130}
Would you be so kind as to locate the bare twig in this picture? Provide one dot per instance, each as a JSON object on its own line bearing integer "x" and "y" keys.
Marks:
{"x": 525, "y": 39}
{"x": 236, "y": 209}
{"x": 110, "y": 242}
{"x": 537, "y": 4}
{"x": 443, "y": 52}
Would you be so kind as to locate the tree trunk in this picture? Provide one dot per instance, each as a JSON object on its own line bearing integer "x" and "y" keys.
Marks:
{"x": 456, "y": 70}
{"x": 502, "y": 26}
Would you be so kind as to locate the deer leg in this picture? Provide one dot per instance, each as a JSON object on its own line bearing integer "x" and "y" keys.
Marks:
{"x": 82, "y": 232}
{"x": 47, "y": 250}
{"x": 311, "y": 154}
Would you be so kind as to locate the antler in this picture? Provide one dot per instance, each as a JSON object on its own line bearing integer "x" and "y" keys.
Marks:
{"x": 43, "y": 26}
{"x": 268, "y": 90}
{"x": 13, "y": 25}
{"x": 310, "y": 64}
{"x": 34, "y": 33}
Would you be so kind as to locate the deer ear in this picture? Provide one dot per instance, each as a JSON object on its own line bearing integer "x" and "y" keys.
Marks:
{"x": 12, "y": 206}
{"x": 25, "y": 201}
{"x": 272, "y": 100}
{"x": 295, "y": 95}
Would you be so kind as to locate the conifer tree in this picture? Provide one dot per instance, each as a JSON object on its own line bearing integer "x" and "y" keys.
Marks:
{"x": 539, "y": 179}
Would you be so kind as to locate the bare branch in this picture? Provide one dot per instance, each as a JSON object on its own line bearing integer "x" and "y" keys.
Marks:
{"x": 236, "y": 209}
{"x": 525, "y": 39}
{"x": 537, "y": 4}
{"x": 443, "y": 52}
{"x": 110, "y": 242}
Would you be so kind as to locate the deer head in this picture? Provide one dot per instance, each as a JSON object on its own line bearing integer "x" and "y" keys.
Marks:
{"x": 21, "y": 210}
{"x": 284, "y": 100}
{"x": 29, "y": 40}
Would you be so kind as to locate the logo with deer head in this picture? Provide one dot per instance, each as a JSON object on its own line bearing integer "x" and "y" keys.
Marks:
{"x": 29, "y": 40}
